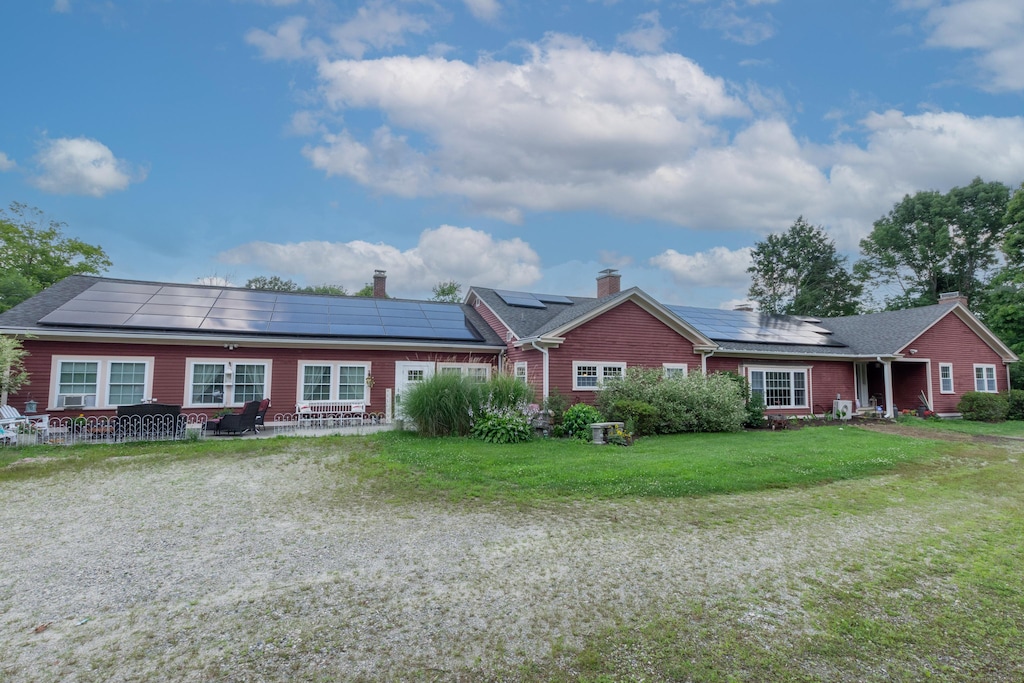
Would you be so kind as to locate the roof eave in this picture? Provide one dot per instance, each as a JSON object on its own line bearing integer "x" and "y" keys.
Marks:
{"x": 251, "y": 342}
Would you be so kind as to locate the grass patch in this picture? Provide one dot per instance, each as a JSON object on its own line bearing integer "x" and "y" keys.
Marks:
{"x": 34, "y": 461}
{"x": 664, "y": 466}
{"x": 1010, "y": 428}
{"x": 948, "y": 605}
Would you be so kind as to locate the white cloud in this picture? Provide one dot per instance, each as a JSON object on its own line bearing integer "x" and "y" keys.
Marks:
{"x": 484, "y": 10}
{"x": 648, "y": 35}
{"x": 716, "y": 267}
{"x": 61, "y": 6}
{"x": 736, "y": 24}
{"x": 82, "y": 166}
{"x": 376, "y": 25}
{"x": 571, "y": 127}
{"x": 6, "y": 163}
{"x": 466, "y": 255}
{"x": 994, "y": 29}
{"x": 284, "y": 43}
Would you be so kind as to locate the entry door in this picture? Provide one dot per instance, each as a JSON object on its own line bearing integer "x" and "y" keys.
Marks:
{"x": 407, "y": 374}
{"x": 861, "y": 372}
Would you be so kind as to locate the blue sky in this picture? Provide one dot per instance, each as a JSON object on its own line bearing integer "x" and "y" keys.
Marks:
{"x": 524, "y": 145}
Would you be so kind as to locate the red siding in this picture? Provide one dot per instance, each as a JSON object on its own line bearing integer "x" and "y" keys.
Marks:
{"x": 626, "y": 333}
{"x": 952, "y": 341}
{"x": 170, "y": 367}
{"x": 825, "y": 380}
{"x": 491, "y": 319}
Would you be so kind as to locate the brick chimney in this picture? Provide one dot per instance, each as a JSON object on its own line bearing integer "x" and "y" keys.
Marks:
{"x": 380, "y": 280}
{"x": 608, "y": 282}
{"x": 952, "y": 298}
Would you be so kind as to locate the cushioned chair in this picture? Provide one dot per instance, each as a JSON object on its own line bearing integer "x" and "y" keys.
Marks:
{"x": 261, "y": 413}
{"x": 239, "y": 423}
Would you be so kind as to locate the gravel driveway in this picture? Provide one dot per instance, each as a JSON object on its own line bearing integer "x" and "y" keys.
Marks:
{"x": 279, "y": 567}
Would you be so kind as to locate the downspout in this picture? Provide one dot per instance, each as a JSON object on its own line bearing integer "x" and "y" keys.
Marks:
{"x": 704, "y": 355}
{"x": 544, "y": 365}
{"x": 887, "y": 375}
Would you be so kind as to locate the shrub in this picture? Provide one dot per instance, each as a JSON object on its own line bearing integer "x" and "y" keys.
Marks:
{"x": 577, "y": 420}
{"x": 556, "y": 404}
{"x": 443, "y": 405}
{"x": 755, "y": 411}
{"x": 1015, "y": 404}
{"x": 694, "y": 403}
{"x": 640, "y": 417}
{"x": 983, "y": 407}
{"x": 505, "y": 425}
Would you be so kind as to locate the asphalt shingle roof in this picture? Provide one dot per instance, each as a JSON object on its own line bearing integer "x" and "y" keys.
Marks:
{"x": 862, "y": 335}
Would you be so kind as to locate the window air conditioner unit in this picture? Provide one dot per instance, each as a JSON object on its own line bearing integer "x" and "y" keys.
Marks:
{"x": 78, "y": 401}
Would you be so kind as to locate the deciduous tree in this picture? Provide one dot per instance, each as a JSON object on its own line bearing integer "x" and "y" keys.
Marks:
{"x": 35, "y": 253}
{"x": 800, "y": 273}
{"x": 932, "y": 242}
{"x": 447, "y": 290}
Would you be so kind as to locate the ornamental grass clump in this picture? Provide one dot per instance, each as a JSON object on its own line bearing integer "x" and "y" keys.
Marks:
{"x": 443, "y": 405}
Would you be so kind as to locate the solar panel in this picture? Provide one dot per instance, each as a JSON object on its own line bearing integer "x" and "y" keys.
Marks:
{"x": 552, "y": 298}
{"x": 138, "y": 305}
{"x": 722, "y": 325}
{"x": 521, "y": 299}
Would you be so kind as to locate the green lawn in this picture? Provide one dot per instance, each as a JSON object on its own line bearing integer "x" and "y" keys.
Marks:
{"x": 1010, "y": 428}
{"x": 663, "y": 466}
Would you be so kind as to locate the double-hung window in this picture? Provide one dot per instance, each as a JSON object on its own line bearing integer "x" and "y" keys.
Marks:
{"x": 216, "y": 382}
{"x": 985, "y": 378}
{"x": 780, "y": 387}
{"x": 334, "y": 381}
{"x": 674, "y": 370}
{"x": 946, "y": 378}
{"x": 475, "y": 372}
{"x": 590, "y": 376}
{"x": 520, "y": 371}
{"x": 94, "y": 382}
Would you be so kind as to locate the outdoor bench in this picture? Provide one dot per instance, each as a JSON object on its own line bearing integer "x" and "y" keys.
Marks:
{"x": 600, "y": 430}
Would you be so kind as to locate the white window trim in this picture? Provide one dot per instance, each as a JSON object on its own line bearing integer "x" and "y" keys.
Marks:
{"x": 521, "y": 371}
{"x": 951, "y": 385}
{"x": 334, "y": 364}
{"x": 601, "y": 366}
{"x": 463, "y": 367}
{"x": 806, "y": 369}
{"x": 667, "y": 367}
{"x": 229, "y": 384}
{"x": 102, "y": 378}
{"x": 995, "y": 381}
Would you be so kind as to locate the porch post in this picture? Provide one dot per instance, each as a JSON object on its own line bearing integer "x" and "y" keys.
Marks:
{"x": 887, "y": 371}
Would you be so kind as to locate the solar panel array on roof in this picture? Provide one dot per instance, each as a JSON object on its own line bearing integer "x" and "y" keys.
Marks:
{"x": 527, "y": 300}
{"x": 745, "y": 326}
{"x": 176, "y": 307}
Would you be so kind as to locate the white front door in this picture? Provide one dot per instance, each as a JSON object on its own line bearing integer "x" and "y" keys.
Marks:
{"x": 408, "y": 373}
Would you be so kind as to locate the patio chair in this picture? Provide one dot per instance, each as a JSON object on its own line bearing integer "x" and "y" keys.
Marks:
{"x": 11, "y": 418}
{"x": 239, "y": 423}
{"x": 261, "y": 413}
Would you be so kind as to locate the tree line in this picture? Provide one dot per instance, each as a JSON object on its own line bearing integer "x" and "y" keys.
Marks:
{"x": 968, "y": 240}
